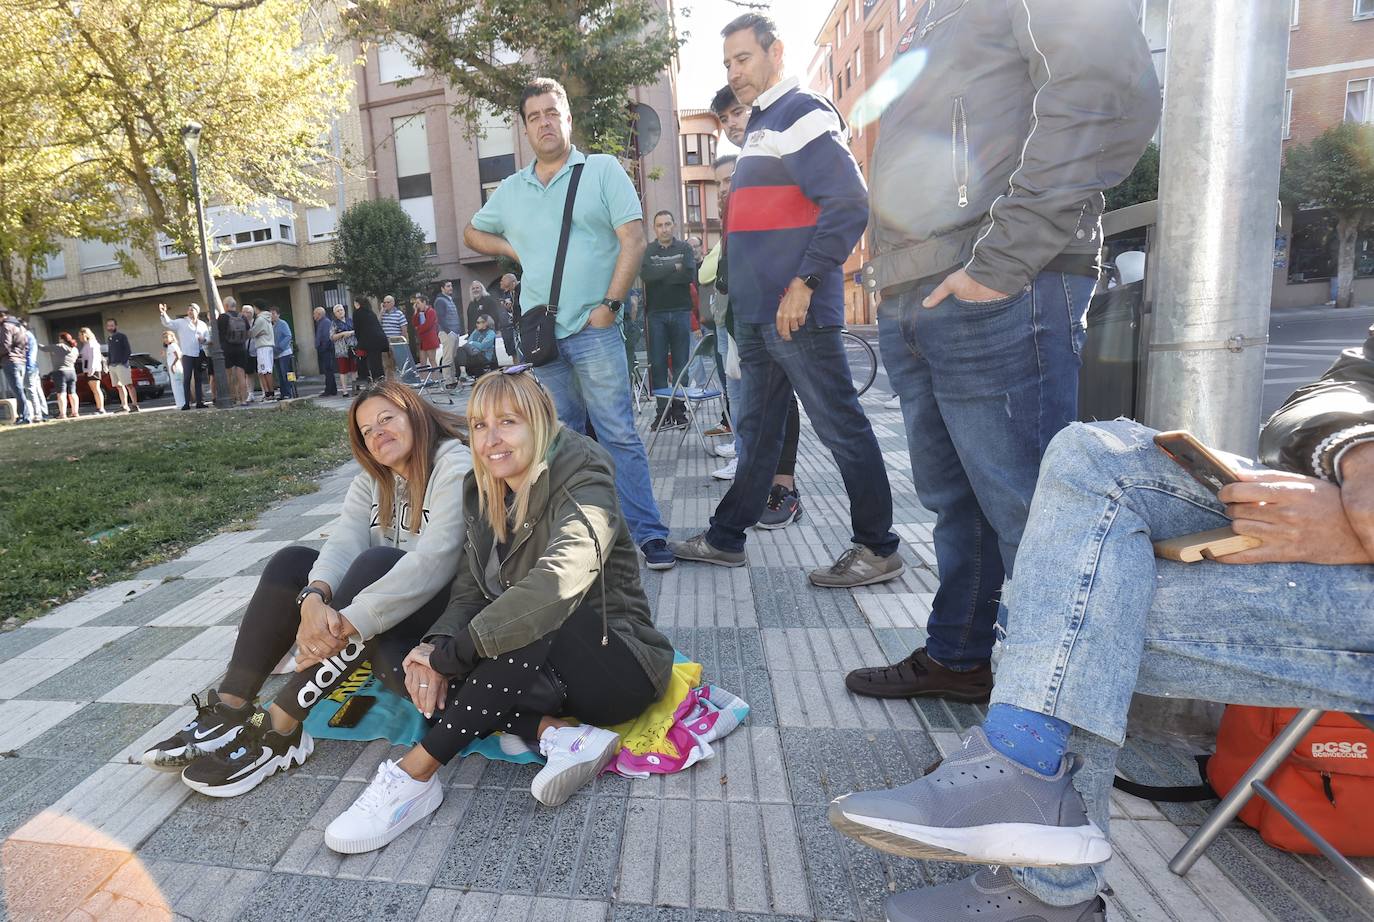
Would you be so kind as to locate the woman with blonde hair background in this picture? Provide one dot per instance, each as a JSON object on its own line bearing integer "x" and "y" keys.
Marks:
{"x": 371, "y": 593}
{"x": 93, "y": 364}
{"x": 547, "y": 617}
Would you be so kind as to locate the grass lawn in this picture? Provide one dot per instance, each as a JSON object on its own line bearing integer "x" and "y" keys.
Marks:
{"x": 84, "y": 503}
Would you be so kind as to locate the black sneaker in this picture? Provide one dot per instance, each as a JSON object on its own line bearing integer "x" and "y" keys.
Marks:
{"x": 784, "y": 507}
{"x": 214, "y": 726}
{"x": 256, "y": 755}
{"x": 669, "y": 422}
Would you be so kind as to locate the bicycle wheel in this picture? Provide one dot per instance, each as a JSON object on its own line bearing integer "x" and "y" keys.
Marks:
{"x": 863, "y": 361}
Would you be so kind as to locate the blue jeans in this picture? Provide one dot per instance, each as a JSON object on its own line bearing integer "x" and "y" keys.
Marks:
{"x": 286, "y": 364}
{"x": 14, "y": 377}
{"x": 984, "y": 388}
{"x": 589, "y": 380}
{"x": 670, "y": 334}
{"x": 727, "y": 383}
{"x": 1096, "y": 616}
{"x": 813, "y": 364}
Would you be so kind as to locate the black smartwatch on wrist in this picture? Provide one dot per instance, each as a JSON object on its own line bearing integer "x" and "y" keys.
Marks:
{"x": 310, "y": 590}
{"x": 811, "y": 281}
{"x": 614, "y": 304}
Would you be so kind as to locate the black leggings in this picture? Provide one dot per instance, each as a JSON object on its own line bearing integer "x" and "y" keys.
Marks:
{"x": 604, "y": 685}
{"x": 269, "y": 627}
{"x": 791, "y": 434}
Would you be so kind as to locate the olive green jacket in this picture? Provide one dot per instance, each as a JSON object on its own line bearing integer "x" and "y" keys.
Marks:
{"x": 553, "y": 564}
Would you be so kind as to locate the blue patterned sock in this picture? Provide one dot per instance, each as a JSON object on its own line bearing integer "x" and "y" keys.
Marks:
{"x": 1026, "y": 737}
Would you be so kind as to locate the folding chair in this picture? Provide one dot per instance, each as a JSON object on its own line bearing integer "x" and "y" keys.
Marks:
{"x": 1254, "y": 782}
{"x": 692, "y": 397}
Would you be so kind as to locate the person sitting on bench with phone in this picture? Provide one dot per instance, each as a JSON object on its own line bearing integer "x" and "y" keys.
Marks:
{"x": 371, "y": 593}
{"x": 1095, "y": 615}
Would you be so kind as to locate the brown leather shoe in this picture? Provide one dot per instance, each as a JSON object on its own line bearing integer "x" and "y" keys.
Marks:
{"x": 919, "y": 676}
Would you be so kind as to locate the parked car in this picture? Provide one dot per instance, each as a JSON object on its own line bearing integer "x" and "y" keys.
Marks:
{"x": 144, "y": 381}
{"x": 161, "y": 379}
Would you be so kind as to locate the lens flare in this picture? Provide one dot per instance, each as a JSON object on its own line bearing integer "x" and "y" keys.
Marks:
{"x": 896, "y": 80}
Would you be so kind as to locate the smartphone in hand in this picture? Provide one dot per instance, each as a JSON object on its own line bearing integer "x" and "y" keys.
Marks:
{"x": 1205, "y": 465}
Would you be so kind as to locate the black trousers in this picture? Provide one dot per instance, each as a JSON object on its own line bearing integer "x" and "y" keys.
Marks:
{"x": 370, "y": 367}
{"x": 193, "y": 368}
{"x": 604, "y": 685}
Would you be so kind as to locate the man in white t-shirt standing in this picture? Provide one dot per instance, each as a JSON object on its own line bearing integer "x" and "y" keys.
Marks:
{"x": 192, "y": 335}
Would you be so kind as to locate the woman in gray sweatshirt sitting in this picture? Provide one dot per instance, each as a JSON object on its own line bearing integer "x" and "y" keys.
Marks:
{"x": 371, "y": 593}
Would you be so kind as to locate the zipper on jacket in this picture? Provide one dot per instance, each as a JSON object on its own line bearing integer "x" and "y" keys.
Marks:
{"x": 958, "y": 148}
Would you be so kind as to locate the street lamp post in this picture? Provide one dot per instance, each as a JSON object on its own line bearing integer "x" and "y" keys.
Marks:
{"x": 224, "y": 398}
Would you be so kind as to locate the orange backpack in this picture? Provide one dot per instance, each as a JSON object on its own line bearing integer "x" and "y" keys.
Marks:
{"x": 1328, "y": 780}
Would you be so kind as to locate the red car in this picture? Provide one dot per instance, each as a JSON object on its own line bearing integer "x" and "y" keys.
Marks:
{"x": 144, "y": 381}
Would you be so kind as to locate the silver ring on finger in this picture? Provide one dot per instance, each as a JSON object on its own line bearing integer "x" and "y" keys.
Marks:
{"x": 423, "y": 685}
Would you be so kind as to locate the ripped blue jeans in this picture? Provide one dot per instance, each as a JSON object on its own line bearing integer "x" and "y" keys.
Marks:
{"x": 1094, "y": 616}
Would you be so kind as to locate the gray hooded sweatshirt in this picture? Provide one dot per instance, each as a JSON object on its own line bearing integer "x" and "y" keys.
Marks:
{"x": 432, "y": 556}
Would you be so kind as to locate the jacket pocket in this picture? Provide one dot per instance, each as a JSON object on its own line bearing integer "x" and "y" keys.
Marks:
{"x": 958, "y": 149}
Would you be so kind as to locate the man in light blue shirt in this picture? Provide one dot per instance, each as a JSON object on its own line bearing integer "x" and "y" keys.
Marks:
{"x": 285, "y": 352}
{"x": 521, "y": 221}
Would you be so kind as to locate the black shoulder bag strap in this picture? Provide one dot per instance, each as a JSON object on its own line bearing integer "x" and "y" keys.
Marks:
{"x": 538, "y": 327}
{"x": 556, "y": 289}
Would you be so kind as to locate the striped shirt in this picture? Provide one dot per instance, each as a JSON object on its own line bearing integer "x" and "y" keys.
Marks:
{"x": 798, "y": 205}
{"x": 394, "y": 323}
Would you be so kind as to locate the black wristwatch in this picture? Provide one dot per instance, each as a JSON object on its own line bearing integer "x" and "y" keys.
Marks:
{"x": 811, "y": 281}
{"x": 614, "y": 304}
{"x": 310, "y": 590}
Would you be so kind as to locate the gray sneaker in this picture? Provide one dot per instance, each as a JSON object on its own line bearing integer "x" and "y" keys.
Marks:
{"x": 990, "y": 895}
{"x": 698, "y": 548}
{"x": 858, "y": 566}
{"x": 783, "y": 508}
{"x": 979, "y": 807}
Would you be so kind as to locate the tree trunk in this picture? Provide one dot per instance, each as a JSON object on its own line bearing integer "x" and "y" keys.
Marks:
{"x": 1347, "y": 229}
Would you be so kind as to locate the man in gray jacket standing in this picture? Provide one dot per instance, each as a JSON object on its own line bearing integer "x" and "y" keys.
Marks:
{"x": 986, "y": 200}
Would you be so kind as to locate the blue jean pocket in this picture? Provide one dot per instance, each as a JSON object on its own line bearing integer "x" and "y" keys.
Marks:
{"x": 990, "y": 306}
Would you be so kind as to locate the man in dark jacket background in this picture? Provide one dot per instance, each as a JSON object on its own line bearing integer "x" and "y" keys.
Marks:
{"x": 324, "y": 350}
{"x": 14, "y": 347}
{"x": 986, "y": 195}
{"x": 668, "y": 270}
{"x": 121, "y": 374}
{"x": 1095, "y": 616}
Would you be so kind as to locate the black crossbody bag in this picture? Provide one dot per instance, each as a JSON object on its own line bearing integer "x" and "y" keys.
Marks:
{"x": 538, "y": 334}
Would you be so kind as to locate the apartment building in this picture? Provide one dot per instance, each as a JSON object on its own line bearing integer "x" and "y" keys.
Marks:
{"x": 698, "y": 132}
{"x": 411, "y": 149}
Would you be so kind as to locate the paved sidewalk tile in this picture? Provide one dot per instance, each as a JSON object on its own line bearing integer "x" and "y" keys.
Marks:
{"x": 220, "y": 600}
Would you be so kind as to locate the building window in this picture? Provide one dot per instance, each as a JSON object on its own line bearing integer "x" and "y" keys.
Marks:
{"x": 268, "y": 222}
{"x": 848, "y": 77}
{"x": 1287, "y": 114}
{"x": 901, "y": 9}
{"x": 691, "y": 150}
{"x": 321, "y": 223}
{"x": 1364, "y": 9}
{"x": 1357, "y": 107}
{"x": 859, "y": 61}
{"x": 1293, "y": 15}
{"x": 96, "y": 255}
{"x": 54, "y": 267}
{"x": 693, "y": 203}
{"x": 839, "y": 89}
{"x": 421, "y": 211}
{"x": 882, "y": 41}
{"x": 328, "y": 294}
{"x": 495, "y": 152}
{"x": 394, "y": 63}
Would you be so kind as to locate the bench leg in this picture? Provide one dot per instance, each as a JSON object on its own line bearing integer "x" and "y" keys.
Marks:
{"x": 1263, "y": 767}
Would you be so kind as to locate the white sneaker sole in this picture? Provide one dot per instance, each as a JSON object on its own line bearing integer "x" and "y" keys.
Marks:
{"x": 429, "y": 801}
{"x": 553, "y": 789}
{"x": 296, "y": 755}
{"x": 775, "y": 526}
{"x": 722, "y": 474}
{"x": 1017, "y": 844}
{"x": 176, "y": 760}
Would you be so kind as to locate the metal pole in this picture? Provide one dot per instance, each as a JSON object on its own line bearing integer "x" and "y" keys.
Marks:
{"x": 1218, "y": 185}
{"x": 224, "y": 397}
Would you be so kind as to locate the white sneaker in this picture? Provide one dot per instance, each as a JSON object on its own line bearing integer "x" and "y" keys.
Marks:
{"x": 391, "y": 804}
{"x": 576, "y": 755}
{"x": 727, "y": 472}
{"x": 725, "y": 450}
{"x": 893, "y": 403}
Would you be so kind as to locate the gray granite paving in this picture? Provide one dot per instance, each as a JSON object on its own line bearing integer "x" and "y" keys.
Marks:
{"x": 739, "y": 838}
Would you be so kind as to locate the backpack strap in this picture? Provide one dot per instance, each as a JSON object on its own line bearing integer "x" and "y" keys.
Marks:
{"x": 1170, "y": 794}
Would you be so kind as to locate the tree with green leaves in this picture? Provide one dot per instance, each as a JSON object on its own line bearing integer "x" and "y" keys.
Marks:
{"x": 380, "y": 251}
{"x": 1142, "y": 185}
{"x": 123, "y": 77}
{"x": 1335, "y": 171}
{"x": 488, "y": 50}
